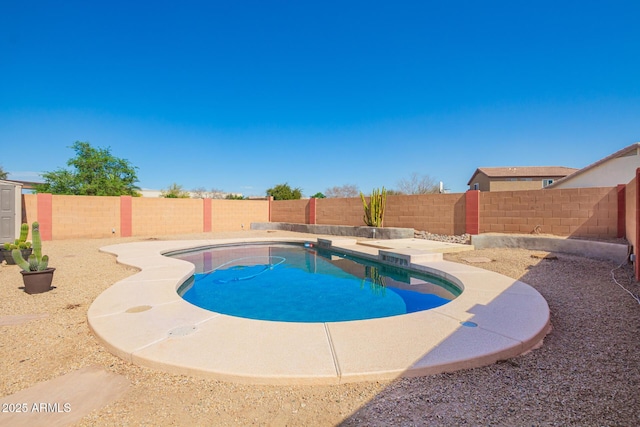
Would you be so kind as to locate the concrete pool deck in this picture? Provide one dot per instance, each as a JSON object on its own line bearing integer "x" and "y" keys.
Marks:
{"x": 142, "y": 319}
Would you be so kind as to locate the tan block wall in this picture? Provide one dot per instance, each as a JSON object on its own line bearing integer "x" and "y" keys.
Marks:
{"x": 338, "y": 211}
{"x": 435, "y": 213}
{"x": 230, "y": 215}
{"x": 293, "y": 211}
{"x": 75, "y": 217}
{"x": 29, "y": 208}
{"x": 630, "y": 212}
{"x": 583, "y": 212}
{"x": 166, "y": 216}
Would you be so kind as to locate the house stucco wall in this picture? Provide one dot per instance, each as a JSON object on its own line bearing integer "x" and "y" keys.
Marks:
{"x": 504, "y": 184}
{"x": 486, "y": 183}
{"x": 616, "y": 171}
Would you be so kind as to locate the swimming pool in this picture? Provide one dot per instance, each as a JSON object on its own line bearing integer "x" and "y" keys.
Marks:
{"x": 143, "y": 320}
{"x": 304, "y": 283}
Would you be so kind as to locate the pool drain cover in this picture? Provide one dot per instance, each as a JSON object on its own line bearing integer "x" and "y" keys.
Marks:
{"x": 469, "y": 324}
{"x": 182, "y": 331}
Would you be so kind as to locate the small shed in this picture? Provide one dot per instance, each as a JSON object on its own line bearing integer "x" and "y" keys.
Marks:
{"x": 10, "y": 210}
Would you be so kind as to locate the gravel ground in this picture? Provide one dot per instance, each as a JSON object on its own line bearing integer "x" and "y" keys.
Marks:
{"x": 587, "y": 373}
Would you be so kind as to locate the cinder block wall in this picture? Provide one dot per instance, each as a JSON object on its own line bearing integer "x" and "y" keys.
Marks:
{"x": 577, "y": 212}
{"x": 230, "y": 215}
{"x": 77, "y": 216}
{"x": 166, "y": 216}
{"x": 631, "y": 199}
{"x": 435, "y": 213}
{"x": 583, "y": 212}
{"x": 293, "y": 211}
{"x": 338, "y": 211}
{"x": 84, "y": 216}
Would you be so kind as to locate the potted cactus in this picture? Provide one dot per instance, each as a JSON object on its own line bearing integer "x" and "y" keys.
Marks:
{"x": 20, "y": 243}
{"x": 36, "y": 273}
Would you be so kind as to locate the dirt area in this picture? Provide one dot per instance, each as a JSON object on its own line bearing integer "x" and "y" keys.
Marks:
{"x": 586, "y": 373}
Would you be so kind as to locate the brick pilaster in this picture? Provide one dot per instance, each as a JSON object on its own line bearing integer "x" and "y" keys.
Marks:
{"x": 126, "y": 216}
{"x": 472, "y": 212}
{"x": 45, "y": 215}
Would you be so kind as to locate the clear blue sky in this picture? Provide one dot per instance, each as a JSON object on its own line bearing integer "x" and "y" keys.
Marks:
{"x": 243, "y": 95}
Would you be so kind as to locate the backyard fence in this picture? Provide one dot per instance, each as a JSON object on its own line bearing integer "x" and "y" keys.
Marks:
{"x": 68, "y": 217}
{"x": 602, "y": 213}
{"x": 580, "y": 212}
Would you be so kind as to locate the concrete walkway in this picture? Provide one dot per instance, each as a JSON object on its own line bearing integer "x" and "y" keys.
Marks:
{"x": 64, "y": 400}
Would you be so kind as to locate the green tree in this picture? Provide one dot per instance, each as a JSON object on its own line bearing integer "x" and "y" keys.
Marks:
{"x": 284, "y": 192}
{"x": 3, "y": 174}
{"x": 318, "y": 195}
{"x": 232, "y": 196}
{"x": 175, "y": 191}
{"x": 95, "y": 172}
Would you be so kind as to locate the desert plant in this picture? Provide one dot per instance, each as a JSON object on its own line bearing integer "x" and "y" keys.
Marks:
{"x": 20, "y": 242}
{"x": 374, "y": 210}
{"x": 36, "y": 261}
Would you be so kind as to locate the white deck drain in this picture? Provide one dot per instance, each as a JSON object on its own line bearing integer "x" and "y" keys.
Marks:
{"x": 182, "y": 331}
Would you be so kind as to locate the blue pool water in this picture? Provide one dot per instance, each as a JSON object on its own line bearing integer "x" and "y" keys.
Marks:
{"x": 292, "y": 283}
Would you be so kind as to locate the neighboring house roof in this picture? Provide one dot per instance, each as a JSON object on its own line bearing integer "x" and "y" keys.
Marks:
{"x": 629, "y": 150}
{"x": 523, "y": 172}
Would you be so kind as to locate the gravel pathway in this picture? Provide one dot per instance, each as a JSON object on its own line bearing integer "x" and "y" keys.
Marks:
{"x": 587, "y": 373}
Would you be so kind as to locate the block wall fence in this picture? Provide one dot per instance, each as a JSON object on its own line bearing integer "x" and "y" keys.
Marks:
{"x": 71, "y": 217}
{"x": 579, "y": 212}
{"x": 607, "y": 212}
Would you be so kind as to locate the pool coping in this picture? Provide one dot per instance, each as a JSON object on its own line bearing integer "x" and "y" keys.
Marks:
{"x": 143, "y": 320}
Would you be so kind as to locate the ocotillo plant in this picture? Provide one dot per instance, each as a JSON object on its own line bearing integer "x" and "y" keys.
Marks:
{"x": 36, "y": 261}
{"x": 374, "y": 210}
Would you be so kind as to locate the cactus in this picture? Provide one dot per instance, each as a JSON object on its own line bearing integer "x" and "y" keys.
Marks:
{"x": 374, "y": 210}
{"x": 36, "y": 261}
{"x": 37, "y": 241}
{"x": 24, "y": 231}
{"x": 20, "y": 242}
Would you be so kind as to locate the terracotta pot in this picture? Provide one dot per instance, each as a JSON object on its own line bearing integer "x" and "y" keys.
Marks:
{"x": 37, "y": 282}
